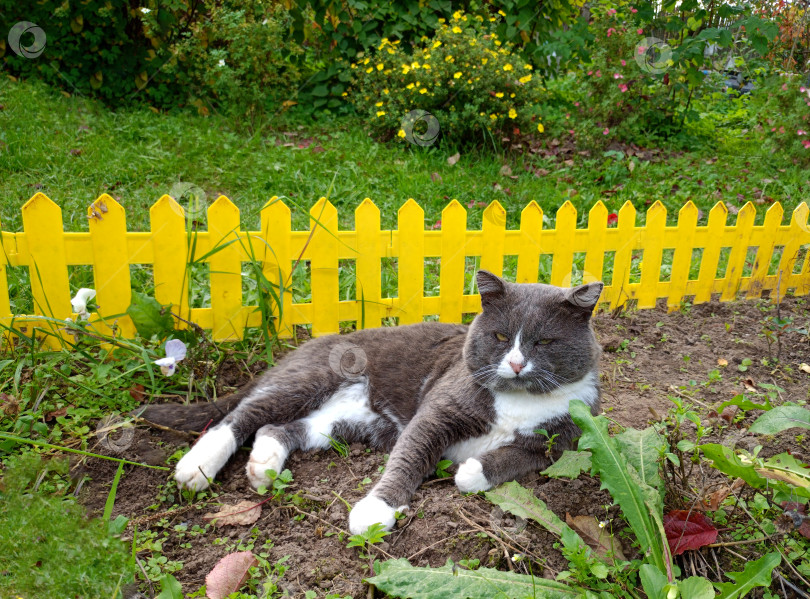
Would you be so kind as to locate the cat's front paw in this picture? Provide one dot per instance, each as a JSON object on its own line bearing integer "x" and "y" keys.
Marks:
{"x": 189, "y": 473}
{"x": 267, "y": 454}
{"x": 372, "y": 510}
{"x": 470, "y": 477}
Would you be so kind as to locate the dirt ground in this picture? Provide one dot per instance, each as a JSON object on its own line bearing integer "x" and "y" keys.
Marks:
{"x": 648, "y": 355}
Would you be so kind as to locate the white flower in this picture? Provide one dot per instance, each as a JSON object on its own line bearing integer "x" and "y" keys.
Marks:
{"x": 146, "y": 11}
{"x": 603, "y": 523}
{"x": 175, "y": 351}
{"x": 221, "y": 62}
{"x": 79, "y": 302}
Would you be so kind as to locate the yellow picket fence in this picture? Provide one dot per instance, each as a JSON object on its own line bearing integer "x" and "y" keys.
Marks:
{"x": 47, "y": 251}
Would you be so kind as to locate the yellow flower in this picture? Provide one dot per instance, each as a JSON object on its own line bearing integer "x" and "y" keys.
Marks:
{"x": 507, "y": 67}
{"x": 436, "y": 44}
{"x": 500, "y": 12}
{"x": 512, "y": 113}
{"x": 493, "y": 117}
{"x": 472, "y": 42}
{"x": 426, "y": 67}
{"x": 457, "y": 75}
{"x": 344, "y": 94}
{"x": 511, "y": 95}
{"x": 525, "y": 79}
{"x": 449, "y": 58}
{"x": 378, "y": 104}
{"x": 423, "y": 91}
{"x": 380, "y": 66}
{"x": 484, "y": 60}
{"x": 456, "y": 29}
{"x": 497, "y": 42}
{"x": 540, "y": 127}
{"x": 527, "y": 66}
{"x": 499, "y": 95}
{"x": 385, "y": 91}
{"x": 406, "y": 69}
{"x": 380, "y": 113}
{"x": 414, "y": 65}
{"x": 368, "y": 70}
{"x": 457, "y": 14}
{"x": 401, "y": 133}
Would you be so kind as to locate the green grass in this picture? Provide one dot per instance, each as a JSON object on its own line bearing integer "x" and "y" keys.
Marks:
{"x": 74, "y": 149}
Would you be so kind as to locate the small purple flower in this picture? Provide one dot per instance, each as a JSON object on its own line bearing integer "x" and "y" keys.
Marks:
{"x": 175, "y": 351}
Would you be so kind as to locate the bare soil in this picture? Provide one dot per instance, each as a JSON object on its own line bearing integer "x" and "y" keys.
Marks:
{"x": 649, "y": 355}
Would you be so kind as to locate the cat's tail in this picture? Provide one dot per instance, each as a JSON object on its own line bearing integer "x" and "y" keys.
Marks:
{"x": 192, "y": 417}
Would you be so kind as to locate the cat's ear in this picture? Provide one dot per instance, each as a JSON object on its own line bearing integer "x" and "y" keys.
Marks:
{"x": 585, "y": 296}
{"x": 491, "y": 287}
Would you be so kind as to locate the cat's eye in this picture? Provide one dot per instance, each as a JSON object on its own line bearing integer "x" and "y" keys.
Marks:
{"x": 544, "y": 341}
{"x": 501, "y": 337}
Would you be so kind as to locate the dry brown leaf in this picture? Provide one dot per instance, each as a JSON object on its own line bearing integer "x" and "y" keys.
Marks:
{"x": 713, "y": 501}
{"x": 750, "y": 385}
{"x": 597, "y": 538}
{"x": 451, "y": 160}
{"x": 243, "y": 513}
{"x": 722, "y": 362}
{"x": 804, "y": 367}
{"x": 436, "y": 177}
{"x": 229, "y": 574}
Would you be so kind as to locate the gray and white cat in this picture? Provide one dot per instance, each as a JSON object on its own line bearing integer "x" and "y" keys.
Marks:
{"x": 475, "y": 395}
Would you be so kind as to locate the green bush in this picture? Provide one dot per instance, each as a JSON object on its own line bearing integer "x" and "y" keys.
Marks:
{"x": 49, "y": 548}
{"x": 232, "y": 55}
{"x": 782, "y": 105}
{"x": 476, "y": 86}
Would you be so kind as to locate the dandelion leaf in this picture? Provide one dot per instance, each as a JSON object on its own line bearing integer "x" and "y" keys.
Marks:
{"x": 755, "y": 574}
{"x": 570, "y": 465}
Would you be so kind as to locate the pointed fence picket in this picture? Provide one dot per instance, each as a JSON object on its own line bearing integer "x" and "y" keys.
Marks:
{"x": 727, "y": 261}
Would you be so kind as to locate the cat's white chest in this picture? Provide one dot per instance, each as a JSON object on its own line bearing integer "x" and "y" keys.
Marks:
{"x": 520, "y": 412}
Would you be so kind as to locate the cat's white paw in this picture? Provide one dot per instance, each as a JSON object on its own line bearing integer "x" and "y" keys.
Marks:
{"x": 205, "y": 459}
{"x": 372, "y": 510}
{"x": 470, "y": 477}
{"x": 267, "y": 454}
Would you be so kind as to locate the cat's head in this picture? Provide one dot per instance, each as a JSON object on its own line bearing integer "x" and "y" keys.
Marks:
{"x": 532, "y": 337}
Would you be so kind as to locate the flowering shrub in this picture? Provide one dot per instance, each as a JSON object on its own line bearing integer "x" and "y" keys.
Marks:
{"x": 783, "y": 108}
{"x": 475, "y": 85}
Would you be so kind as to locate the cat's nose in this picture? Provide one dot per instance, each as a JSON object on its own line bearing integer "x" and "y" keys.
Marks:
{"x": 516, "y": 367}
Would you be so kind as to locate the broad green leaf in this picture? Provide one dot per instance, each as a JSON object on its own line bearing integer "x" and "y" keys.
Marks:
{"x": 784, "y": 467}
{"x": 696, "y": 587}
{"x": 398, "y": 578}
{"x": 170, "y": 588}
{"x": 518, "y": 500}
{"x": 725, "y": 460}
{"x": 781, "y": 419}
{"x": 642, "y": 450}
{"x": 570, "y": 465}
{"x": 744, "y": 404}
{"x": 628, "y": 490}
{"x": 755, "y": 574}
{"x": 149, "y": 317}
{"x": 653, "y": 581}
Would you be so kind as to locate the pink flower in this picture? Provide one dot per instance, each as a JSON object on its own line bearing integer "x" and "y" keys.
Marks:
{"x": 610, "y": 31}
{"x": 571, "y": 131}
{"x": 773, "y": 130}
{"x": 784, "y": 87}
{"x": 590, "y": 72}
{"x": 606, "y": 131}
{"x": 624, "y": 62}
{"x": 471, "y": 204}
{"x": 806, "y": 144}
{"x": 612, "y": 11}
{"x": 599, "y": 73}
{"x": 633, "y": 10}
{"x": 781, "y": 129}
{"x": 642, "y": 50}
{"x": 617, "y": 76}
{"x": 622, "y": 87}
{"x": 438, "y": 224}
{"x": 576, "y": 103}
{"x": 639, "y": 31}
{"x": 801, "y": 132}
{"x": 801, "y": 89}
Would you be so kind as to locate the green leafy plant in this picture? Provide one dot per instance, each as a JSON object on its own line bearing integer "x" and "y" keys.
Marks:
{"x": 279, "y": 482}
{"x": 441, "y": 468}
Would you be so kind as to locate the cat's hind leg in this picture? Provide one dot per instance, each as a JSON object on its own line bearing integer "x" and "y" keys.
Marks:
{"x": 272, "y": 446}
{"x": 206, "y": 458}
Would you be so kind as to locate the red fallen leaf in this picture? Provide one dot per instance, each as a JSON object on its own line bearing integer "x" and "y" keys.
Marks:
{"x": 137, "y": 393}
{"x": 796, "y": 514}
{"x": 55, "y": 414}
{"x": 76, "y": 152}
{"x": 613, "y": 218}
{"x": 229, "y": 574}
{"x": 687, "y": 530}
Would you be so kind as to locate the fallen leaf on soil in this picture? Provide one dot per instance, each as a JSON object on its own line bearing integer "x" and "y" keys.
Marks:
{"x": 137, "y": 393}
{"x": 750, "y": 385}
{"x": 229, "y": 574}
{"x": 451, "y": 160}
{"x": 794, "y": 518}
{"x": 728, "y": 413}
{"x": 688, "y": 530}
{"x": 804, "y": 367}
{"x": 596, "y": 537}
{"x": 55, "y": 414}
{"x": 243, "y": 513}
{"x": 713, "y": 501}
{"x": 722, "y": 362}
